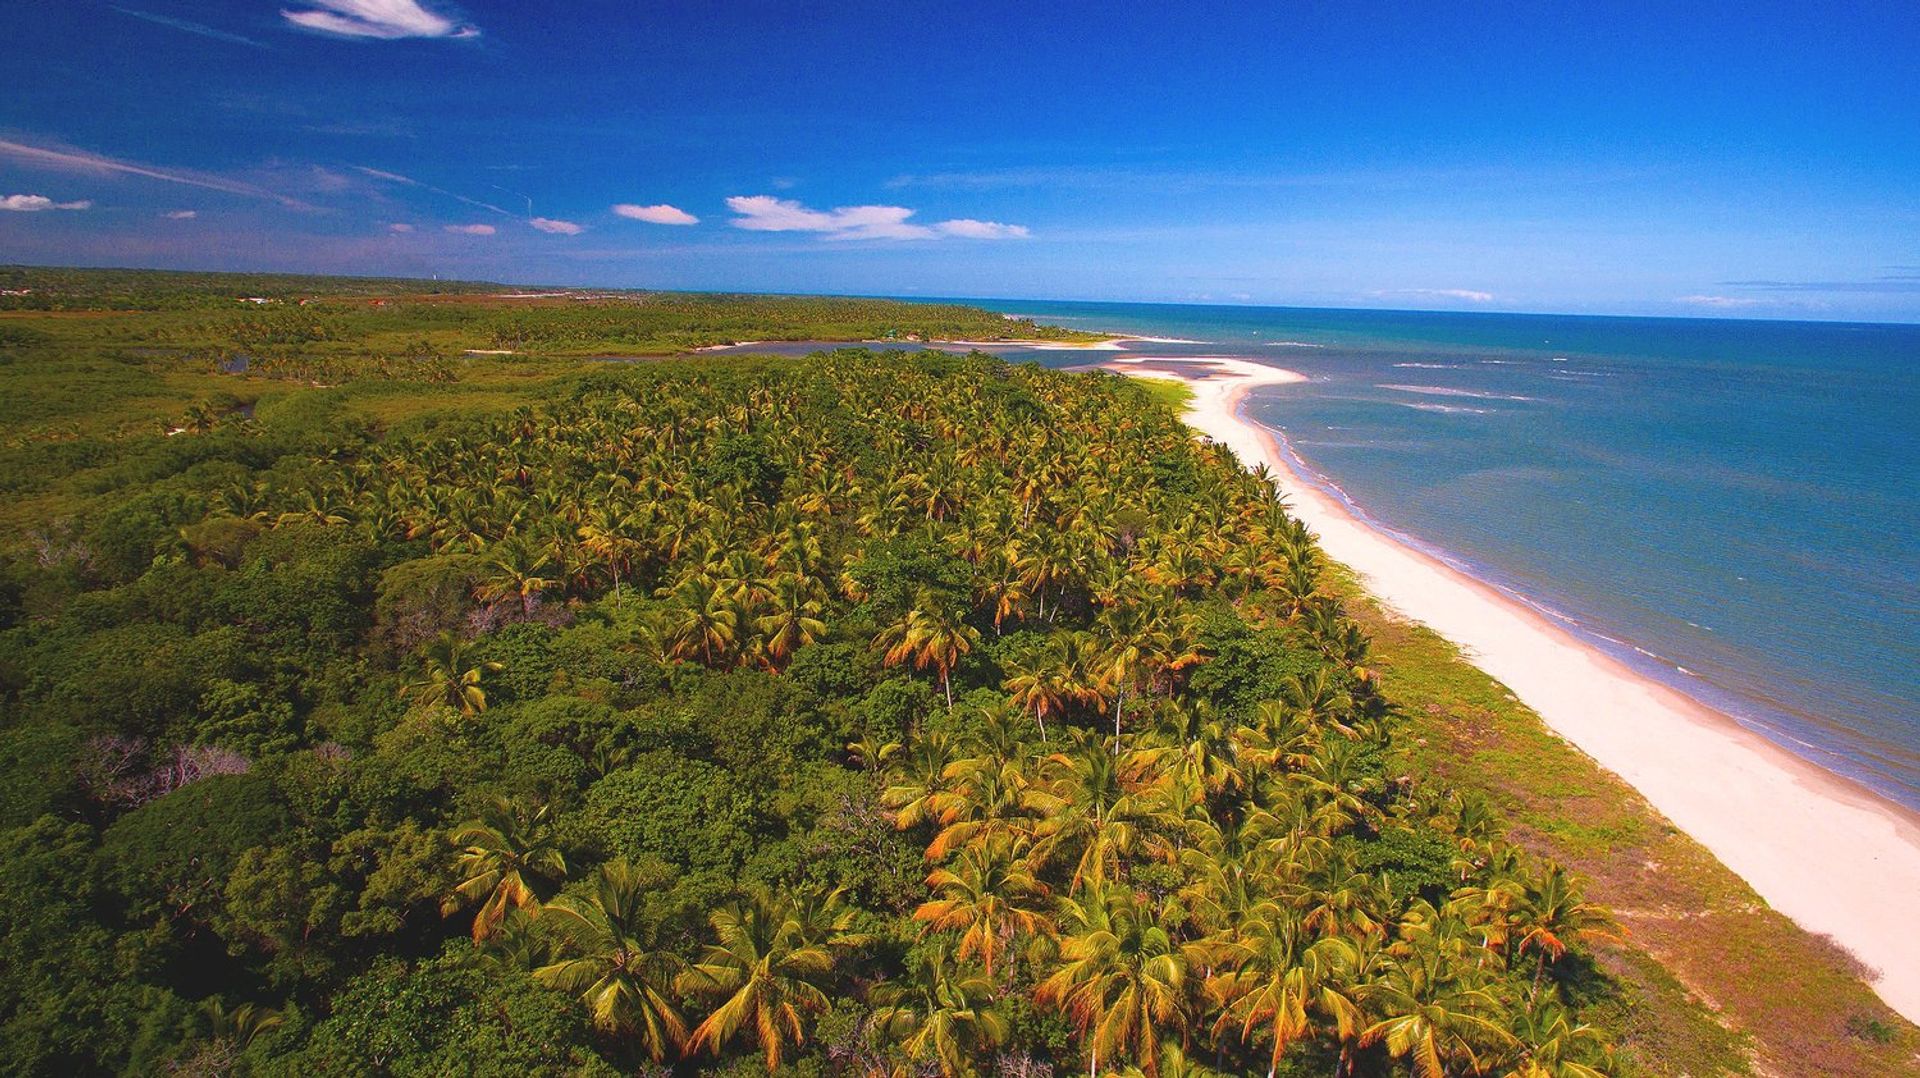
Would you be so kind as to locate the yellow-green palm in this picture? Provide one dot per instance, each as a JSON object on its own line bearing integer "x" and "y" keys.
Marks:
{"x": 943, "y": 1015}
{"x": 989, "y": 896}
{"x": 608, "y": 957}
{"x": 1121, "y": 979}
{"x": 767, "y": 971}
{"x": 503, "y": 851}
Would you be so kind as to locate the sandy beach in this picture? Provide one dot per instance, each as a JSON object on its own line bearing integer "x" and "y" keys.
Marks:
{"x": 1837, "y": 859}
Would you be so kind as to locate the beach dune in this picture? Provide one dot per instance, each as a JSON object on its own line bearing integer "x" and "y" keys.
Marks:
{"x": 1825, "y": 852}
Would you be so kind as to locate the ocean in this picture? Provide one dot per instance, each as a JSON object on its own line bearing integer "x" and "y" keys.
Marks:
{"x": 1726, "y": 505}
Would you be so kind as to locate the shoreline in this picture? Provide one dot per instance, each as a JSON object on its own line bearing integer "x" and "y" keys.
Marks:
{"x": 1835, "y": 857}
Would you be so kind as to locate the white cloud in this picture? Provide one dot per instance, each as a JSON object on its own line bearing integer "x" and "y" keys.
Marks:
{"x": 968, "y": 228}
{"x": 1719, "y": 301}
{"x": 182, "y": 215}
{"x": 385, "y": 20}
{"x": 1471, "y": 295}
{"x": 36, "y": 203}
{"x": 662, "y": 214}
{"x": 765, "y": 213}
{"x": 558, "y": 228}
{"x": 399, "y": 226}
{"x": 472, "y": 230}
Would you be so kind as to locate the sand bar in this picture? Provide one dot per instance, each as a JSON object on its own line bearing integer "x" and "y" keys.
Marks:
{"x": 1836, "y": 858}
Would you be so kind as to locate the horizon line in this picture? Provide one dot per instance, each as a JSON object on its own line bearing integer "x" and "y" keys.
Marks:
{"x": 982, "y": 300}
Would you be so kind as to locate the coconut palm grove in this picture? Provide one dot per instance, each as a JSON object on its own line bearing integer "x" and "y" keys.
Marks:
{"x": 371, "y": 707}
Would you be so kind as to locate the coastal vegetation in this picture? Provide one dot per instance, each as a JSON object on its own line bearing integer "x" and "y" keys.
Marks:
{"x": 1707, "y": 980}
{"x": 863, "y": 714}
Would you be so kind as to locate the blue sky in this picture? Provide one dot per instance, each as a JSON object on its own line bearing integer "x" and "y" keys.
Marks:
{"x": 1752, "y": 159}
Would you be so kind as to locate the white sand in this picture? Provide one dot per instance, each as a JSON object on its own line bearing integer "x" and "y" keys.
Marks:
{"x": 1109, "y": 345}
{"x": 1824, "y": 851}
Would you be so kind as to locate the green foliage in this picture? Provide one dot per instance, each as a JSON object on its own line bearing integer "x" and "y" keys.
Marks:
{"x": 688, "y": 813}
{"x": 867, "y": 713}
{"x": 170, "y": 859}
{"x": 445, "y": 1016}
{"x": 741, "y": 461}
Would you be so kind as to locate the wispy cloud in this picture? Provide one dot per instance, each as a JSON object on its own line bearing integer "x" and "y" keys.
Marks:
{"x": 408, "y": 181}
{"x": 192, "y": 27}
{"x": 1719, "y": 301}
{"x": 384, "y": 20}
{"x": 661, "y": 214}
{"x": 400, "y": 226}
{"x": 1470, "y": 295}
{"x": 181, "y": 215}
{"x": 1890, "y": 283}
{"x": 471, "y": 230}
{"x": 387, "y": 128}
{"x": 37, "y": 203}
{"x": 64, "y": 160}
{"x": 765, "y": 213}
{"x": 558, "y": 228}
{"x": 1139, "y": 177}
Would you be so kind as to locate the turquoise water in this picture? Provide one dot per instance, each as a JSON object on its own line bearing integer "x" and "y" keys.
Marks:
{"x": 1729, "y": 505}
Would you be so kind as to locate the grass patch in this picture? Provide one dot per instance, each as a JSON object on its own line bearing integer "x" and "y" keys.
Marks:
{"x": 1709, "y": 981}
{"x": 1175, "y": 395}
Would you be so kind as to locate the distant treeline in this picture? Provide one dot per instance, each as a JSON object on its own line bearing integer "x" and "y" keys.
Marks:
{"x": 254, "y": 313}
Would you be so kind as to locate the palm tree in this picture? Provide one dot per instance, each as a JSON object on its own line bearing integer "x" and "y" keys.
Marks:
{"x": 921, "y": 791}
{"x": 999, "y": 586}
{"x": 610, "y": 537}
{"x": 450, "y": 677}
{"x": 503, "y": 850}
{"x": 989, "y": 896}
{"x": 1034, "y": 685}
{"x": 929, "y": 635}
{"x": 1096, "y": 791}
{"x": 608, "y": 959}
{"x": 699, "y": 622}
{"x": 941, "y": 1015}
{"x": 1552, "y": 916}
{"x": 767, "y": 968}
{"x": 1433, "y": 1016}
{"x": 794, "y": 621}
{"x": 516, "y": 568}
{"x": 1553, "y": 1045}
{"x": 870, "y": 754}
{"x": 240, "y": 1026}
{"x": 1128, "y": 634}
{"x": 1278, "y": 980}
{"x": 1121, "y": 979}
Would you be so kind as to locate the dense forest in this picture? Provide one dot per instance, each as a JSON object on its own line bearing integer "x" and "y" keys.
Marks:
{"x": 862, "y": 714}
{"x": 325, "y": 324}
